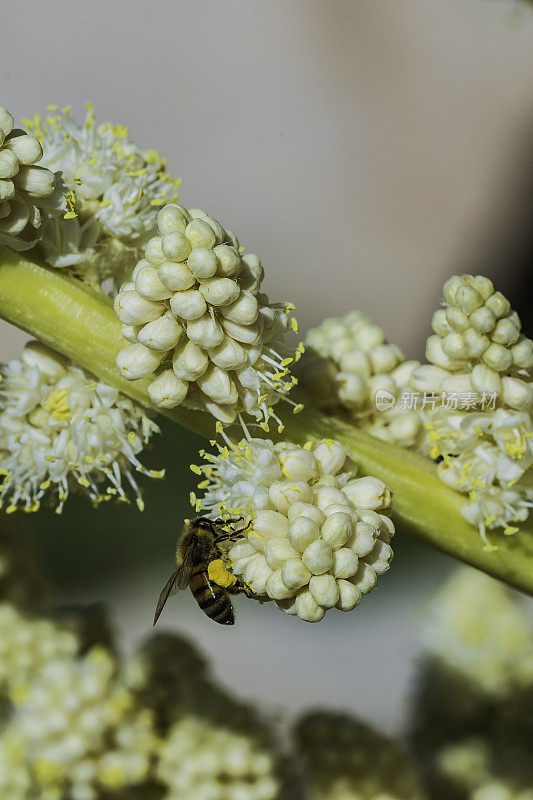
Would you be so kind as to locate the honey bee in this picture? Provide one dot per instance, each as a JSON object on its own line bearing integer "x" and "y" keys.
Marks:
{"x": 198, "y": 546}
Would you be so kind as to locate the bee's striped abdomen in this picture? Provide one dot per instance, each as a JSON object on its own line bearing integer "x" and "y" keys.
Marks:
{"x": 212, "y": 598}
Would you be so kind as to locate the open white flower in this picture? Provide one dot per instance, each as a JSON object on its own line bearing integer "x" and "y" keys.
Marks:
{"x": 318, "y": 538}
{"x": 115, "y": 189}
{"x": 62, "y": 429}
{"x": 198, "y": 323}
{"x": 24, "y": 187}
{"x": 349, "y": 368}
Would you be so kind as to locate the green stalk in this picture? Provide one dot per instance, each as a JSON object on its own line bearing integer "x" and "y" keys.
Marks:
{"x": 80, "y": 323}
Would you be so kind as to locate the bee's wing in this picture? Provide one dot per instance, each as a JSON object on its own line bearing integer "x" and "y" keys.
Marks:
{"x": 190, "y": 557}
{"x": 170, "y": 588}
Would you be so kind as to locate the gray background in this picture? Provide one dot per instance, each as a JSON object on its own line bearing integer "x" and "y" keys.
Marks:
{"x": 366, "y": 150}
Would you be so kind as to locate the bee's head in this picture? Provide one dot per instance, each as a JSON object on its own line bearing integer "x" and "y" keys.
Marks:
{"x": 204, "y": 523}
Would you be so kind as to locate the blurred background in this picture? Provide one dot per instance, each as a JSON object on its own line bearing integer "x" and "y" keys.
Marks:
{"x": 366, "y": 150}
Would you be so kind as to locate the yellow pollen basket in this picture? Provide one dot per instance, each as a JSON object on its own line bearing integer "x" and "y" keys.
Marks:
{"x": 57, "y": 405}
{"x": 219, "y": 574}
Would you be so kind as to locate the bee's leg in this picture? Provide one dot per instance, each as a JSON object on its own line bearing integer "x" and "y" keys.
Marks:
{"x": 241, "y": 586}
{"x": 241, "y": 531}
{"x": 229, "y": 521}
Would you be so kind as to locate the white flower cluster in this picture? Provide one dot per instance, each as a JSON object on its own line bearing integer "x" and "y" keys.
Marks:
{"x": 82, "y": 731}
{"x": 474, "y": 627}
{"x": 62, "y": 429}
{"x": 344, "y": 759}
{"x": 318, "y": 537}
{"x": 203, "y": 761}
{"x": 195, "y": 317}
{"x": 23, "y": 185}
{"x": 357, "y": 367}
{"x": 478, "y": 352}
{"x": 114, "y": 190}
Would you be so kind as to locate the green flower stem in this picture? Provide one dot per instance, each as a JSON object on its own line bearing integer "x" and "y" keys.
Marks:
{"x": 80, "y": 323}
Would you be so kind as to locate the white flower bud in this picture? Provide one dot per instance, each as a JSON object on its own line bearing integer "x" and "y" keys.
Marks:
{"x": 349, "y": 595}
{"x": 454, "y": 346}
{"x": 324, "y": 590}
{"x": 219, "y": 291}
{"x": 318, "y": 557}
{"x": 345, "y": 563}
{"x": 217, "y": 384}
{"x": 177, "y": 277}
{"x": 229, "y": 261}
{"x": 244, "y": 311}
{"x": 247, "y": 334}
{"x": 172, "y": 219}
{"x": 483, "y": 320}
{"x": 9, "y": 165}
{"x": 228, "y": 355}
{"x": 306, "y": 510}
{"x": 283, "y": 493}
{"x": 355, "y": 361}
{"x": 450, "y": 288}
{"x": 129, "y": 332}
{"x": 486, "y": 380}
{"x": 154, "y": 251}
{"x": 326, "y": 495}
{"x": 364, "y": 538}
{"x": 189, "y": 362}
{"x": 252, "y": 273}
{"x": 202, "y": 262}
{"x": 298, "y": 465}
{"x": 167, "y": 391}
{"x": 352, "y": 389}
{"x": 468, "y": 299}
{"x": 189, "y": 305}
{"x": 365, "y": 578}
{"x": 517, "y": 394}
{"x": 475, "y": 343}
{"x": 137, "y": 361}
{"x": 161, "y": 334}
{"x": 457, "y": 320}
{"x": 26, "y": 148}
{"x": 505, "y": 332}
{"x": 6, "y": 121}
{"x": 370, "y": 336}
{"x": 132, "y": 309}
{"x": 483, "y": 286}
{"x": 379, "y": 557}
{"x": 197, "y": 213}
{"x": 498, "y": 304}
{"x": 428, "y": 378}
{"x": 200, "y": 234}
{"x": 36, "y": 181}
{"x": 268, "y": 524}
{"x": 277, "y": 551}
{"x": 7, "y": 192}
{"x": 459, "y": 382}
{"x": 337, "y": 529}
{"x": 497, "y": 357}
{"x": 275, "y": 587}
{"x": 205, "y": 331}
{"x": 440, "y": 323}
{"x": 436, "y": 354}
{"x": 385, "y": 357}
{"x": 303, "y": 531}
{"x": 294, "y": 573}
{"x": 330, "y": 456}
{"x": 307, "y": 607}
{"x": 149, "y": 285}
{"x": 522, "y": 354}
{"x": 368, "y": 492}
{"x": 226, "y": 414}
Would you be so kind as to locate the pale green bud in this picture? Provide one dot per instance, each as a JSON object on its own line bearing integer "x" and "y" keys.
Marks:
{"x": 299, "y": 509}
{"x": 498, "y": 304}
{"x": 307, "y": 608}
{"x": 275, "y": 587}
{"x": 522, "y": 354}
{"x": 161, "y": 334}
{"x": 137, "y": 361}
{"x": 368, "y": 492}
{"x": 26, "y": 148}
{"x": 365, "y": 578}
{"x": 132, "y": 309}
{"x": 299, "y": 465}
{"x": 189, "y": 362}
{"x": 364, "y": 538}
{"x": 154, "y": 252}
{"x": 202, "y": 262}
{"x": 228, "y": 355}
{"x": 303, "y": 531}
{"x": 252, "y": 273}
{"x": 217, "y": 228}
{"x": 505, "y": 332}
{"x": 318, "y": 557}
{"x": 36, "y": 181}
{"x": 189, "y": 305}
{"x": 217, "y": 385}
{"x": 9, "y": 165}
{"x": 283, "y": 493}
{"x": 229, "y": 261}
{"x": 246, "y": 334}
{"x": 349, "y": 595}
{"x": 486, "y": 380}
{"x": 219, "y": 291}
{"x": 294, "y": 573}
{"x": 517, "y": 394}
{"x": 428, "y": 378}
{"x": 356, "y": 361}
{"x": 326, "y": 495}
{"x": 437, "y": 356}
{"x": 177, "y": 277}
{"x": 172, "y": 219}
{"x": 352, "y": 389}
{"x": 149, "y": 286}
{"x": 6, "y": 121}
{"x": 243, "y": 311}
{"x": 497, "y": 357}
{"x": 458, "y": 382}
{"x": 167, "y": 391}
{"x": 483, "y": 286}
{"x": 475, "y": 343}
{"x": 468, "y": 299}
{"x": 205, "y": 331}
{"x": 277, "y": 551}
{"x": 7, "y": 190}
{"x": 175, "y": 246}
{"x": 337, "y": 529}
{"x": 385, "y": 357}
{"x": 129, "y": 332}
{"x": 454, "y": 346}
{"x": 439, "y": 322}
{"x": 200, "y": 234}
{"x": 345, "y": 563}
{"x": 457, "y": 319}
{"x": 330, "y": 456}
{"x": 483, "y": 320}
{"x": 269, "y": 524}
{"x": 324, "y": 590}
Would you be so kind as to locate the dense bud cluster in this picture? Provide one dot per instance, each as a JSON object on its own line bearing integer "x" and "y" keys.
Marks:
{"x": 480, "y": 430}
{"x": 114, "y": 191}
{"x": 349, "y": 368}
{"x": 318, "y": 536}
{"x": 198, "y": 323}
{"x": 346, "y": 760}
{"x": 24, "y": 186}
{"x": 60, "y": 428}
